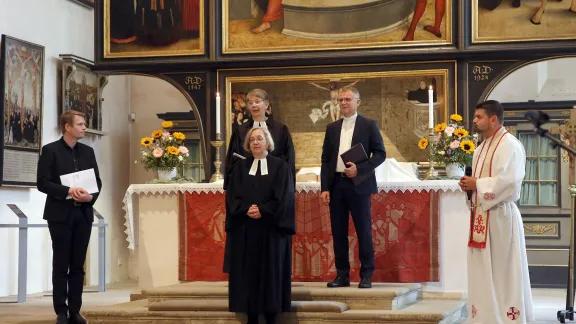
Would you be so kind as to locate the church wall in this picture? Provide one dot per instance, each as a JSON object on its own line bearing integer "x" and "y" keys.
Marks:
{"x": 64, "y": 27}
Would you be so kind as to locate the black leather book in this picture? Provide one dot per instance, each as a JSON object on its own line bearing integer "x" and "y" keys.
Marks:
{"x": 356, "y": 154}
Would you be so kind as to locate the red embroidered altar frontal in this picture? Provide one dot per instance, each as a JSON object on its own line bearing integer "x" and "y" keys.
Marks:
{"x": 405, "y": 229}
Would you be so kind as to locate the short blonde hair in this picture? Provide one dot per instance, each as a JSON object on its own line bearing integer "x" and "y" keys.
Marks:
{"x": 67, "y": 117}
{"x": 267, "y": 136}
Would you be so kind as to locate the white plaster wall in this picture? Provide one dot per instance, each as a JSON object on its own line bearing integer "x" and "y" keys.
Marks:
{"x": 64, "y": 27}
{"x": 551, "y": 80}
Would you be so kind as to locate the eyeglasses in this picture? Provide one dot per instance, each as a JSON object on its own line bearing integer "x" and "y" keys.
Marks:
{"x": 346, "y": 99}
{"x": 256, "y": 139}
{"x": 255, "y": 102}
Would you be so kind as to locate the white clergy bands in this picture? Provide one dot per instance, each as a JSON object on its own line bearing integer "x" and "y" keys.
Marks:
{"x": 263, "y": 167}
{"x": 479, "y": 217}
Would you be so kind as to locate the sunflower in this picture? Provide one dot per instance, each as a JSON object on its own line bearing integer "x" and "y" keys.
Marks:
{"x": 440, "y": 128}
{"x": 146, "y": 141}
{"x": 179, "y": 136}
{"x": 167, "y": 124}
{"x": 467, "y": 146}
{"x": 172, "y": 150}
{"x": 456, "y": 117}
{"x": 461, "y": 132}
{"x": 423, "y": 143}
{"x": 157, "y": 134}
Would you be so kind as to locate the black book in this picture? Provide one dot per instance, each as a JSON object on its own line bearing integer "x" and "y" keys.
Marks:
{"x": 356, "y": 154}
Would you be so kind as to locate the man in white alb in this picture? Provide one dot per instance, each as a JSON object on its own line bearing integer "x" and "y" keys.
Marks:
{"x": 498, "y": 279}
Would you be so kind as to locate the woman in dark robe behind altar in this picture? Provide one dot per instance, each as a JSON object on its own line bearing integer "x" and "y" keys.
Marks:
{"x": 260, "y": 223}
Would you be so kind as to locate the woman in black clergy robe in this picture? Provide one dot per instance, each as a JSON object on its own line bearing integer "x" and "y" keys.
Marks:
{"x": 260, "y": 223}
{"x": 258, "y": 103}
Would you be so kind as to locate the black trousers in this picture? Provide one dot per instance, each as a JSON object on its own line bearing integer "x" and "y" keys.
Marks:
{"x": 69, "y": 244}
{"x": 345, "y": 201}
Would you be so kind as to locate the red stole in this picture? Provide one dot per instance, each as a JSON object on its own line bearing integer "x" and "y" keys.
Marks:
{"x": 479, "y": 217}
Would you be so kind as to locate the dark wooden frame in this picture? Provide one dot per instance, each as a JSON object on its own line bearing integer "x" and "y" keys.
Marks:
{"x": 3, "y": 61}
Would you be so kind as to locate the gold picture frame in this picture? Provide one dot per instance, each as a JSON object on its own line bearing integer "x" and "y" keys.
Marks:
{"x": 526, "y": 22}
{"x": 305, "y": 137}
{"x": 298, "y": 39}
{"x": 183, "y": 42}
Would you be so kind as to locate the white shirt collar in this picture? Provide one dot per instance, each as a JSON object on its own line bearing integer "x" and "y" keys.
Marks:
{"x": 263, "y": 167}
{"x": 350, "y": 119}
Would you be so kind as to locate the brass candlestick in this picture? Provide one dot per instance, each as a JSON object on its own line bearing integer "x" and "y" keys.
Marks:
{"x": 217, "y": 144}
{"x": 431, "y": 139}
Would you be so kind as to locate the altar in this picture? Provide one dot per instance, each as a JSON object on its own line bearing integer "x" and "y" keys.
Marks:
{"x": 419, "y": 230}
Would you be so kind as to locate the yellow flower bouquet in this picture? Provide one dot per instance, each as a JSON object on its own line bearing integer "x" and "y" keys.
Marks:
{"x": 453, "y": 143}
{"x": 163, "y": 150}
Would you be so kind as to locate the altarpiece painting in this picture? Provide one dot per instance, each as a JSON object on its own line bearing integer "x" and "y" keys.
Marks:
{"x": 251, "y": 26}
{"x": 398, "y": 100}
{"x": 153, "y": 28}
{"x": 523, "y": 20}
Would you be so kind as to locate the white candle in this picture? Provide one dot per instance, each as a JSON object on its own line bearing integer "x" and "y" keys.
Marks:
{"x": 430, "y": 108}
{"x": 217, "y": 112}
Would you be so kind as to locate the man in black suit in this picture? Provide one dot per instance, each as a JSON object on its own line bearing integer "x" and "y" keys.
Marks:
{"x": 342, "y": 194}
{"x": 69, "y": 219}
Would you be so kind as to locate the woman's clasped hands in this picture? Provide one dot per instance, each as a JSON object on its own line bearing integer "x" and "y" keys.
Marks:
{"x": 254, "y": 212}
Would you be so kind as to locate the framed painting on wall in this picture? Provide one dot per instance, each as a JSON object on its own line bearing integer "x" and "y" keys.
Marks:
{"x": 305, "y": 100}
{"x": 153, "y": 28}
{"x": 522, "y": 20}
{"x": 262, "y": 26}
{"x": 22, "y": 73}
{"x": 81, "y": 90}
{"x": 87, "y": 3}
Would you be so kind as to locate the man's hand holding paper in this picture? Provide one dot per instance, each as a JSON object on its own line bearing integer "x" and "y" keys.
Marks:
{"x": 82, "y": 184}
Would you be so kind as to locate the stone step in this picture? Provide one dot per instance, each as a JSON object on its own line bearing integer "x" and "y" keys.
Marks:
{"x": 382, "y": 296}
{"x": 423, "y": 312}
{"x": 221, "y": 305}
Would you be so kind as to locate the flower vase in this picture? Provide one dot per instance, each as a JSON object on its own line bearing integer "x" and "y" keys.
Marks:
{"x": 166, "y": 175}
{"x": 454, "y": 170}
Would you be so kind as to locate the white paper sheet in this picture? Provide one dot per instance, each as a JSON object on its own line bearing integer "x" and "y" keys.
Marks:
{"x": 85, "y": 179}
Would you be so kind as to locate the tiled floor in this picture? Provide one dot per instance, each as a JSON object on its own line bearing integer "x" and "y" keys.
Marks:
{"x": 38, "y": 308}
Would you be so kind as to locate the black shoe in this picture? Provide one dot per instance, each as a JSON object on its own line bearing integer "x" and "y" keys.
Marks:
{"x": 366, "y": 282}
{"x": 340, "y": 281}
{"x": 62, "y": 318}
{"x": 516, "y": 3}
{"x": 77, "y": 319}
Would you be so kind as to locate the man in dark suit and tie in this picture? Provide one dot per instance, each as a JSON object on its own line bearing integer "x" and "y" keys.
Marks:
{"x": 69, "y": 219}
{"x": 342, "y": 194}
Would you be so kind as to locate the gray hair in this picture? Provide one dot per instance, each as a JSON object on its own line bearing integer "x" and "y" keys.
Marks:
{"x": 259, "y": 93}
{"x": 351, "y": 89}
{"x": 267, "y": 136}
